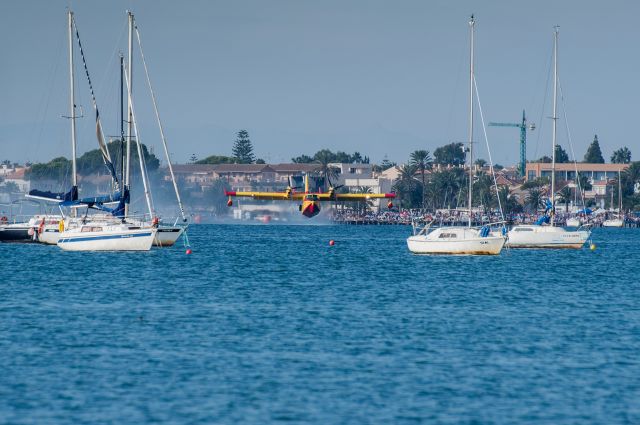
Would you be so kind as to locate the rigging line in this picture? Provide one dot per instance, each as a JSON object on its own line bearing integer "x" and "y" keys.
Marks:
{"x": 463, "y": 56}
{"x": 566, "y": 124}
{"x": 544, "y": 104}
{"x": 111, "y": 59}
{"x": 105, "y": 152}
{"x": 486, "y": 139}
{"x": 164, "y": 140}
{"x": 51, "y": 82}
{"x": 144, "y": 176}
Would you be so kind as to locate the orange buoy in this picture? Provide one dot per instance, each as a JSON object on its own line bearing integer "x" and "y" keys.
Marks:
{"x": 188, "y": 251}
{"x": 332, "y": 242}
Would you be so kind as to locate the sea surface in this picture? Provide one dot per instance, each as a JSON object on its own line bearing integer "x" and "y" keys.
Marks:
{"x": 269, "y": 324}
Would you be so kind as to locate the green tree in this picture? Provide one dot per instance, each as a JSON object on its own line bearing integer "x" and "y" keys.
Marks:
{"x": 422, "y": 161}
{"x": 217, "y": 159}
{"x": 632, "y": 172}
{"x": 561, "y": 155}
{"x": 621, "y": 156}
{"x": 480, "y": 162}
{"x": 243, "y": 148}
{"x": 302, "y": 159}
{"x": 534, "y": 199}
{"x": 58, "y": 169}
{"x": 445, "y": 187}
{"x": 584, "y": 183}
{"x": 565, "y": 196}
{"x": 407, "y": 186}
{"x": 451, "y": 154}
{"x": 215, "y": 198}
{"x": 508, "y": 201}
{"x": 483, "y": 191}
{"x": 594, "y": 154}
{"x": 630, "y": 178}
{"x": 535, "y": 183}
{"x": 324, "y": 158}
{"x": 545, "y": 159}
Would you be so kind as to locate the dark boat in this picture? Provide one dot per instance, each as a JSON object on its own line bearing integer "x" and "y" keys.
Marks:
{"x": 15, "y": 232}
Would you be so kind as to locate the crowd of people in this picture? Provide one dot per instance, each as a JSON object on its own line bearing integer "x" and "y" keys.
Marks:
{"x": 455, "y": 217}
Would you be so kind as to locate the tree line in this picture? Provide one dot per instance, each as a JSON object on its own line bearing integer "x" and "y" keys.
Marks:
{"x": 592, "y": 156}
{"x": 91, "y": 163}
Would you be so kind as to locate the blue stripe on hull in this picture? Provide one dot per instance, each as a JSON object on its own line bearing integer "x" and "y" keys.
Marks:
{"x": 99, "y": 238}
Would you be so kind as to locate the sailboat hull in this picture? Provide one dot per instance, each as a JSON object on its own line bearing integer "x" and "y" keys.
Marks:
{"x": 18, "y": 232}
{"x": 534, "y": 236}
{"x": 455, "y": 241}
{"x": 167, "y": 236}
{"x": 118, "y": 240}
{"x": 49, "y": 236}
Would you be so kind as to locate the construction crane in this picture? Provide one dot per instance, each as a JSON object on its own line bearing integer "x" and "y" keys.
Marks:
{"x": 523, "y": 126}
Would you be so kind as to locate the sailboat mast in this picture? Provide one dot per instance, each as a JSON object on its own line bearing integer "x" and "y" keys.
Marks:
{"x": 555, "y": 122}
{"x": 122, "y": 142}
{"x": 472, "y": 23}
{"x": 619, "y": 194}
{"x": 72, "y": 100}
{"x": 72, "y": 106}
{"x": 129, "y": 117}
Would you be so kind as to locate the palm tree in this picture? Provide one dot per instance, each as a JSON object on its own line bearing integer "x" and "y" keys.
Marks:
{"x": 329, "y": 172}
{"x": 422, "y": 161}
{"x": 621, "y": 156}
{"x": 534, "y": 199}
{"x": 508, "y": 201}
{"x": 445, "y": 187}
{"x": 483, "y": 186}
{"x": 565, "y": 195}
{"x": 406, "y": 183}
{"x": 632, "y": 173}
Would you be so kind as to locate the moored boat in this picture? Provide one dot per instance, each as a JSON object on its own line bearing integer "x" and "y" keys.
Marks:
{"x": 104, "y": 236}
{"x": 545, "y": 234}
{"x": 541, "y": 236}
{"x": 456, "y": 241}
{"x": 453, "y": 240}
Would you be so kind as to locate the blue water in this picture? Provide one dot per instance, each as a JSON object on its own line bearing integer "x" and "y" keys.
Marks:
{"x": 268, "y": 324}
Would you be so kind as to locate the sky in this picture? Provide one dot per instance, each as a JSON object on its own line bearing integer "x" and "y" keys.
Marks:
{"x": 383, "y": 78}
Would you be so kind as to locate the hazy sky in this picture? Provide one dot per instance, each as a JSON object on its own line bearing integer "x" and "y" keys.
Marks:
{"x": 378, "y": 77}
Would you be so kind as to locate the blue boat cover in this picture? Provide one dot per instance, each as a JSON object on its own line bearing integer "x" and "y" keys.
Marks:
{"x": 542, "y": 220}
{"x": 70, "y": 196}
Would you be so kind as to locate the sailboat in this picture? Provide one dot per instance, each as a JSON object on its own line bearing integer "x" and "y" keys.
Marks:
{"x": 166, "y": 234}
{"x": 544, "y": 234}
{"x": 459, "y": 240}
{"x": 616, "y": 221}
{"x": 105, "y": 232}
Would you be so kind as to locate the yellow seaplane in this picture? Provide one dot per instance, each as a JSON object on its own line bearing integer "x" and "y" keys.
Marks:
{"x": 310, "y": 201}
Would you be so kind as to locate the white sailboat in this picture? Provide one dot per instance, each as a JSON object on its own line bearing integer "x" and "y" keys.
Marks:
{"x": 166, "y": 234}
{"x": 616, "y": 220}
{"x": 107, "y": 236}
{"x": 541, "y": 235}
{"x": 459, "y": 240}
{"x": 99, "y": 233}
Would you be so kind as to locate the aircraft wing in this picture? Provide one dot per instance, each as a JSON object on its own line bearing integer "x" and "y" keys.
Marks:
{"x": 353, "y": 196}
{"x": 272, "y": 196}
